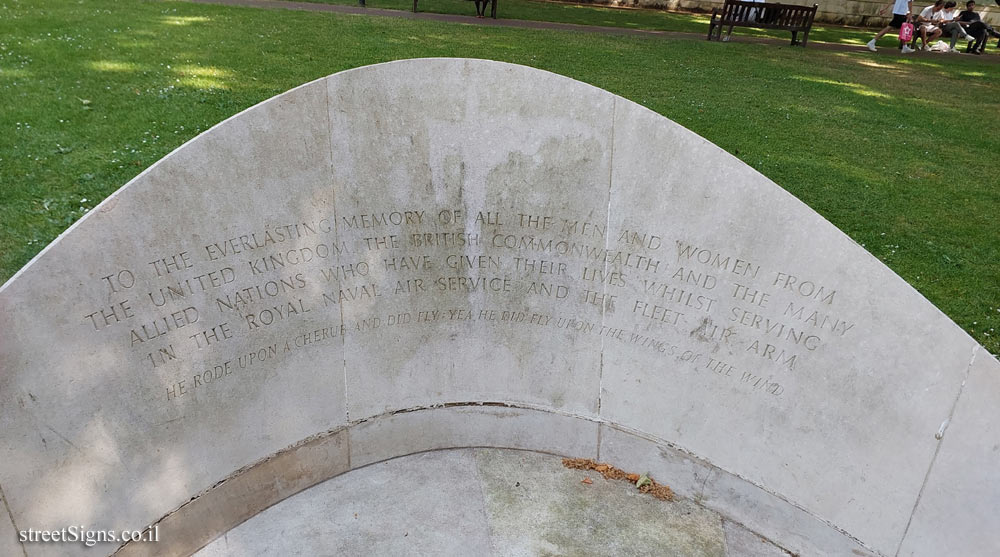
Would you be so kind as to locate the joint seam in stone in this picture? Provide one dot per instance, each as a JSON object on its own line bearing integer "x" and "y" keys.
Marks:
{"x": 485, "y": 506}
{"x": 725, "y": 538}
{"x": 12, "y": 522}
{"x": 347, "y": 434}
{"x": 704, "y": 484}
{"x": 607, "y": 264}
{"x": 940, "y": 439}
{"x": 600, "y": 430}
{"x": 336, "y": 229}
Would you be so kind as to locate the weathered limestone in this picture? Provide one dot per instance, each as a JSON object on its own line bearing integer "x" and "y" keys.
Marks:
{"x": 246, "y": 494}
{"x": 758, "y": 509}
{"x": 8, "y": 535}
{"x": 480, "y": 152}
{"x": 484, "y": 502}
{"x": 736, "y": 306}
{"x": 959, "y": 502}
{"x": 401, "y": 434}
{"x": 441, "y": 253}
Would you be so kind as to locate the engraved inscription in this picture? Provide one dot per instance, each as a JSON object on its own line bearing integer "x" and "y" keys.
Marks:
{"x": 232, "y": 306}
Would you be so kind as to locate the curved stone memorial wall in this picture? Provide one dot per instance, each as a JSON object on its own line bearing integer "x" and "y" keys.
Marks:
{"x": 446, "y": 253}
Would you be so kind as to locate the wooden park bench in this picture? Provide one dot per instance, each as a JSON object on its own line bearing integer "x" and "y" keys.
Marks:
{"x": 762, "y": 15}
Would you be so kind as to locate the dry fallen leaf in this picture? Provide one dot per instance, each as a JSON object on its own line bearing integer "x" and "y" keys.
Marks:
{"x": 645, "y": 483}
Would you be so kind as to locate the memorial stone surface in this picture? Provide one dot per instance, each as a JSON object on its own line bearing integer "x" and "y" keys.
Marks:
{"x": 484, "y": 502}
{"x": 445, "y": 253}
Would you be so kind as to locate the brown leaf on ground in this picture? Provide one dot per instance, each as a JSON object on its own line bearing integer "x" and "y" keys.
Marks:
{"x": 579, "y": 463}
{"x": 611, "y": 473}
{"x": 661, "y": 492}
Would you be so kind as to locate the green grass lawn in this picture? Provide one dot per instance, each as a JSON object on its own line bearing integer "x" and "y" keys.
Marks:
{"x": 900, "y": 153}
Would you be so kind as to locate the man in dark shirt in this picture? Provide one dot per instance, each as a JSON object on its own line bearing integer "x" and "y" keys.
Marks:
{"x": 974, "y": 26}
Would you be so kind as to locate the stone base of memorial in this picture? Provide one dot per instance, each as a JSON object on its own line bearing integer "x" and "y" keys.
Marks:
{"x": 442, "y": 253}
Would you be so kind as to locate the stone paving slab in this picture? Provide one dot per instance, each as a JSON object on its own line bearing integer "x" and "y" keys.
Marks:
{"x": 485, "y": 502}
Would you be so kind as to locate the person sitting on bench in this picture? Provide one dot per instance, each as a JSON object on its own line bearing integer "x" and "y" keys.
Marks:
{"x": 946, "y": 21}
{"x": 974, "y": 26}
{"x": 926, "y": 28}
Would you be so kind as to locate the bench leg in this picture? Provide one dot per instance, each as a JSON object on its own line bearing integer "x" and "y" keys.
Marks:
{"x": 414, "y": 6}
{"x": 805, "y": 37}
{"x": 795, "y": 35}
{"x": 493, "y": 9}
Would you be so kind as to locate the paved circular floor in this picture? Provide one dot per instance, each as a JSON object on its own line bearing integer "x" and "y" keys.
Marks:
{"x": 485, "y": 502}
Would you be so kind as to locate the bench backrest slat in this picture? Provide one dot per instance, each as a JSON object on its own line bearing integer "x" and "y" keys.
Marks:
{"x": 772, "y": 14}
{"x": 764, "y": 15}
